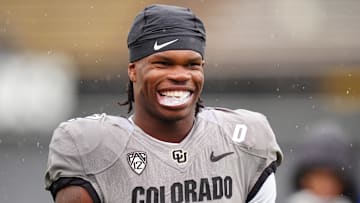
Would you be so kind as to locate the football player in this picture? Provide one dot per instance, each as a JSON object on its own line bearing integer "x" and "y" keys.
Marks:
{"x": 172, "y": 148}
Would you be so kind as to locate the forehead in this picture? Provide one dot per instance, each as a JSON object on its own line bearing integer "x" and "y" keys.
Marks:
{"x": 176, "y": 55}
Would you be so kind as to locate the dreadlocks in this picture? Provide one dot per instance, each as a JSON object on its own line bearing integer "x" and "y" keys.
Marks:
{"x": 130, "y": 99}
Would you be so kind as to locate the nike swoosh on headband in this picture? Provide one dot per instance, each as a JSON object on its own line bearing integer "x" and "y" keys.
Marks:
{"x": 160, "y": 46}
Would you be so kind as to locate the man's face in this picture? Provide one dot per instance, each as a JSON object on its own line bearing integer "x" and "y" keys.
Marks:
{"x": 167, "y": 84}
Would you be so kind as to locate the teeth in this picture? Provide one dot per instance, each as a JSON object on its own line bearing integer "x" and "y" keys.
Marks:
{"x": 174, "y": 98}
{"x": 177, "y": 94}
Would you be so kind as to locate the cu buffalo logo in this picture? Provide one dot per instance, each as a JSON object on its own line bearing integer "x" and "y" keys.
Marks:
{"x": 179, "y": 156}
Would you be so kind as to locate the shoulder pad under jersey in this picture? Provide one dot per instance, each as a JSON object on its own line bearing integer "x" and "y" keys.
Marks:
{"x": 100, "y": 139}
{"x": 250, "y": 130}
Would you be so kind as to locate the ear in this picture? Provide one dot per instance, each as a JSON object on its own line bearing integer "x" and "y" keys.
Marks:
{"x": 132, "y": 72}
{"x": 203, "y": 63}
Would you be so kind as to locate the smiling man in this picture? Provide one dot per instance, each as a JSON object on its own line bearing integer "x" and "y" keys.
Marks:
{"x": 172, "y": 148}
{"x": 167, "y": 86}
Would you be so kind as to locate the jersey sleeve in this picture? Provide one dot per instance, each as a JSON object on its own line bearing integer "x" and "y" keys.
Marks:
{"x": 262, "y": 143}
{"x": 261, "y": 139}
{"x": 250, "y": 133}
{"x": 64, "y": 167}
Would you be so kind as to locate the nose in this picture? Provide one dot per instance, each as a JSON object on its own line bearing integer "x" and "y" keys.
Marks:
{"x": 179, "y": 74}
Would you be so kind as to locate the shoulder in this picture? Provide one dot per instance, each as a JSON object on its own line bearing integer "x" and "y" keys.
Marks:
{"x": 94, "y": 122}
{"x": 91, "y": 137}
{"x": 229, "y": 120}
{"x": 88, "y": 131}
{"x": 219, "y": 114}
{"x": 248, "y": 129}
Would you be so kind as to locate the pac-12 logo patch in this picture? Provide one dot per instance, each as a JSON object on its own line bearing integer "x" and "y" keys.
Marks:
{"x": 137, "y": 161}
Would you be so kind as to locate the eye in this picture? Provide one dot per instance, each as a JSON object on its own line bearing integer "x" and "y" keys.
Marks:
{"x": 195, "y": 65}
{"x": 161, "y": 63}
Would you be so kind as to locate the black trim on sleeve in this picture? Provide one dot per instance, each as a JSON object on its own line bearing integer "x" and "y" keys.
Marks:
{"x": 64, "y": 182}
{"x": 264, "y": 175}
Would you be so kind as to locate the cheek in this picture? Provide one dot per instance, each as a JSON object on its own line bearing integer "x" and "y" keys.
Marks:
{"x": 147, "y": 79}
{"x": 199, "y": 79}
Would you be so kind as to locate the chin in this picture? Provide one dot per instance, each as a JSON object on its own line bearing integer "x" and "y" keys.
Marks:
{"x": 176, "y": 115}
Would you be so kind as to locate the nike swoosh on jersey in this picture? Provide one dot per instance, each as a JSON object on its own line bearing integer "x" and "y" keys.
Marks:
{"x": 160, "y": 46}
{"x": 214, "y": 158}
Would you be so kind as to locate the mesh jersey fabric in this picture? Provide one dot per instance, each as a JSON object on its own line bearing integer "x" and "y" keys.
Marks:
{"x": 221, "y": 159}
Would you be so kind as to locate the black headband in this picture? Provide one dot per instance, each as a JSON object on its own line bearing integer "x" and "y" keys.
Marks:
{"x": 160, "y": 27}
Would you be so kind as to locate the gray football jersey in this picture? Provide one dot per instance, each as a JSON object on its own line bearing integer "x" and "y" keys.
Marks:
{"x": 225, "y": 158}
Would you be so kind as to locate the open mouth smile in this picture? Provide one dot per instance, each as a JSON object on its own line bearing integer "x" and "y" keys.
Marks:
{"x": 174, "y": 98}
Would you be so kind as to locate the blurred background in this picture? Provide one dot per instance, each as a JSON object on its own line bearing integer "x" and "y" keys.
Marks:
{"x": 297, "y": 62}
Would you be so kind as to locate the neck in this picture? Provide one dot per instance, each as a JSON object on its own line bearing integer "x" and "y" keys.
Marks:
{"x": 164, "y": 130}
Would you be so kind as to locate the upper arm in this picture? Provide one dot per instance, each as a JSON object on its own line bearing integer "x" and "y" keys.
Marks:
{"x": 267, "y": 192}
{"x": 73, "y": 194}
